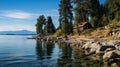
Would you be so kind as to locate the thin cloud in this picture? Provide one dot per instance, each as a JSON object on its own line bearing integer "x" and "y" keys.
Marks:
{"x": 19, "y": 14}
{"x": 19, "y": 20}
{"x": 16, "y": 14}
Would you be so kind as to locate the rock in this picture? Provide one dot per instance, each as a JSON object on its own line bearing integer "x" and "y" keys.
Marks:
{"x": 117, "y": 45}
{"x": 109, "y": 49}
{"x": 111, "y": 42}
{"x": 116, "y": 34}
{"x": 114, "y": 65}
{"x": 94, "y": 47}
{"x": 105, "y": 48}
{"x": 115, "y": 54}
{"x": 87, "y": 45}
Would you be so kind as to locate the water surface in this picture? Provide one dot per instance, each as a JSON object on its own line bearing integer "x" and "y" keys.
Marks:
{"x": 18, "y": 51}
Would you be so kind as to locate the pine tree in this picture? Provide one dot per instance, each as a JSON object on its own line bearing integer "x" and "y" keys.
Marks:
{"x": 113, "y": 8}
{"x": 40, "y": 22}
{"x": 66, "y": 16}
{"x": 103, "y": 13}
{"x": 95, "y": 13}
{"x": 81, "y": 10}
{"x": 49, "y": 27}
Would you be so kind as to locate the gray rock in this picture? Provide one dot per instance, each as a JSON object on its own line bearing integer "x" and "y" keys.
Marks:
{"x": 105, "y": 48}
{"x": 94, "y": 47}
{"x": 115, "y": 54}
{"x": 117, "y": 45}
{"x": 87, "y": 45}
{"x": 114, "y": 65}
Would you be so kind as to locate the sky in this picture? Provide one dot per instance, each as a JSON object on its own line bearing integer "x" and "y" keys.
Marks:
{"x": 22, "y": 14}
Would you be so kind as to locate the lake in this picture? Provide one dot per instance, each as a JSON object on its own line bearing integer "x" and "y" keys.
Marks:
{"x": 18, "y": 51}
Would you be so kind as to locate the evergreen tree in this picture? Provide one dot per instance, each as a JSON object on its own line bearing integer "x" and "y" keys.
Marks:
{"x": 113, "y": 8}
{"x": 40, "y": 22}
{"x": 104, "y": 13}
{"x": 66, "y": 16}
{"x": 95, "y": 13}
{"x": 49, "y": 27}
{"x": 81, "y": 10}
{"x": 88, "y": 8}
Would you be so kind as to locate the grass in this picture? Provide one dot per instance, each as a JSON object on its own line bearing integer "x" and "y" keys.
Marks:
{"x": 102, "y": 32}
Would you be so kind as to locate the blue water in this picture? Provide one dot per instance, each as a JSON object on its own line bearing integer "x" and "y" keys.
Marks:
{"x": 18, "y": 51}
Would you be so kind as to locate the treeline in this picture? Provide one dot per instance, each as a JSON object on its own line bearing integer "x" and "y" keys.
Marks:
{"x": 73, "y": 12}
{"x": 45, "y": 26}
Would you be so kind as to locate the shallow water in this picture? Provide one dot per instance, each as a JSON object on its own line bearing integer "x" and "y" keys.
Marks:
{"x": 18, "y": 51}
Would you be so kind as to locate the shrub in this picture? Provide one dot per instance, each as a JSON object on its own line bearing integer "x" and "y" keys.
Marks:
{"x": 59, "y": 33}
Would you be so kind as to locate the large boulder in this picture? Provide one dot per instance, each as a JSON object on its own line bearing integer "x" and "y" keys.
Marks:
{"x": 94, "y": 47}
{"x": 112, "y": 55}
{"x": 87, "y": 45}
{"x": 117, "y": 45}
{"x": 105, "y": 48}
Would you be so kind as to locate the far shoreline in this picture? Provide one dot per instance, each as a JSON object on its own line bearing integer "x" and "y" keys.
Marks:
{"x": 18, "y": 34}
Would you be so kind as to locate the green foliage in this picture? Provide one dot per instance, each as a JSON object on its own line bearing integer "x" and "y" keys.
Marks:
{"x": 117, "y": 16}
{"x": 64, "y": 28}
{"x": 113, "y": 9}
{"x": 49, "y": 27}
{"x": 100, "y": 15}
{"x": 59, "y": 33}
{"x": 81, "y": 10}
{"x": 95, "y": 12}
{"x": 94, "y": 8}
{"x": 94, "y": 22}
{"x": 39, "y": 25}
{"x": 66, "y": 16}
{"x": 104, "y": 20}
{"x": 70, "y": 28}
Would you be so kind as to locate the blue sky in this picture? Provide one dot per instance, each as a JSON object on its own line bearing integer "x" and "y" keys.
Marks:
{"x": 22, "y": 14}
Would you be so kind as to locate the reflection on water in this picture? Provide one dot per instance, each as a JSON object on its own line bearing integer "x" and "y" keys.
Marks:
{"x": 76, "y": 58}
{"x": 51, "y": 54}
{"x": 82, "y": 60}
{"x": 44, "y": 49}
{"x": 36, "y": 53}
{"x": 67, "y": 57}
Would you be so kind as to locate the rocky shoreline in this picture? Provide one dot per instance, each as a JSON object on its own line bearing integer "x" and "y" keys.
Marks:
{"x": 109, "y": 50}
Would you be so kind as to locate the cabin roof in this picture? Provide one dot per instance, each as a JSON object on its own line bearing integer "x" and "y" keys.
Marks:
{"x": 82, "y": 24}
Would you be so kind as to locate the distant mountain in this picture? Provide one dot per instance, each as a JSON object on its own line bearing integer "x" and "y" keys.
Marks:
{"x": 19, "y": 32}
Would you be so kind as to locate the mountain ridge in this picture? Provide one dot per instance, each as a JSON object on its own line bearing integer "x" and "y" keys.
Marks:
{"x": 17, "y": 32}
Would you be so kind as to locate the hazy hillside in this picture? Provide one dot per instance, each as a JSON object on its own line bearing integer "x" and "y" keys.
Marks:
{"x": 19, "y": 32}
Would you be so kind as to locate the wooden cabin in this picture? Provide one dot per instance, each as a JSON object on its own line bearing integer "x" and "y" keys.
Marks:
{"x": 82, "y": 26}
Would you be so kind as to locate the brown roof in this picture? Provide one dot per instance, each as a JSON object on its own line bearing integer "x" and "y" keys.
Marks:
{"x": 82, "y": 24}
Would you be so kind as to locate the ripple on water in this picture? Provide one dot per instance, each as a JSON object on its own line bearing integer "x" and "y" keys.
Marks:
{"x": 12, "y": 60}
{"x": 27, "y": 61}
